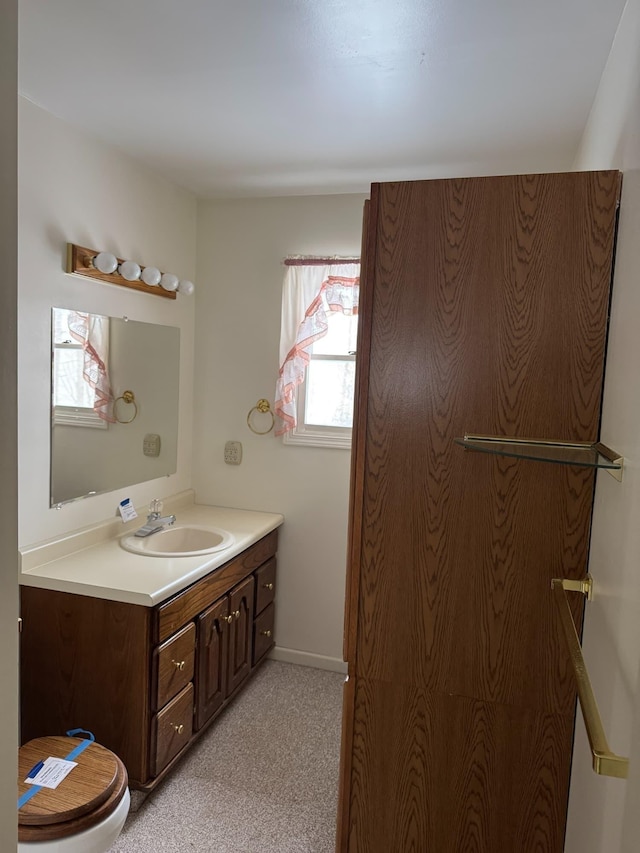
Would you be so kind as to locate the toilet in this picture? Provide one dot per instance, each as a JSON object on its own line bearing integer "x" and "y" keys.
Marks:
{"x": 85, "y": 813}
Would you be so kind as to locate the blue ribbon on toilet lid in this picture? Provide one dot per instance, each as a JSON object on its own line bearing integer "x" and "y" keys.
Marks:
{"x": 75, "y": 752}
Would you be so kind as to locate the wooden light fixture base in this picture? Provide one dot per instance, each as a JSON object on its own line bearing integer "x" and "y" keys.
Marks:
{"x": 80, "y": 262}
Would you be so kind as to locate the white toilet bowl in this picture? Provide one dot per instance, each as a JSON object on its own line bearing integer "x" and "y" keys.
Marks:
{"x": 96, "y": 839}
{"x": 85, "y": 813}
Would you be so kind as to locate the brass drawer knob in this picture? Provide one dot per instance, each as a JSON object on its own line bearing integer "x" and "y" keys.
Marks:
{"x": 179, "y": 665}
{"x": 228, "y": 619}
{"x": 265, "y": 633}
{"x": 268, "y": 586}
{"x": 236, "y": 613}
{"x": 179, "y": 729}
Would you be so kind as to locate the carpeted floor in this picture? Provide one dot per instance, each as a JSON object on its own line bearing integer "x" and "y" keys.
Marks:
{"x": 262, "y": 779}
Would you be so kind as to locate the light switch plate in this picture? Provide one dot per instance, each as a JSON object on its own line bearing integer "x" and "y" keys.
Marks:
{"x": 151, "y": 444}
{"x": 233, "y": 452}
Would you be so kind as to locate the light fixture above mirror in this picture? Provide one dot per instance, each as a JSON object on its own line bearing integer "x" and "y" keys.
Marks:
{"x": 105, "y": 266}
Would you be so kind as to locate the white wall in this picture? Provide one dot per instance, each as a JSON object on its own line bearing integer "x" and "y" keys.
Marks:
{"x": 8, "y": 436}
{"x": 74, "y": 189}
{"x": 241, "y": 245}
{"x": 604, "y": 814}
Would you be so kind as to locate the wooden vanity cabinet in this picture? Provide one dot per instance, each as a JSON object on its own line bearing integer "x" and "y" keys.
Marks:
{"x": 145, "y": 680}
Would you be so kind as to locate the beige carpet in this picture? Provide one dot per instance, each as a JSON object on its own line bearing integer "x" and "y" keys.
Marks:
{"x": 262, "y": 779}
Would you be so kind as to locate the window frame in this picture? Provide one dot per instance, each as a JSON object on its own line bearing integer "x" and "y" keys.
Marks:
{"x": 74, "y": 416}
{"x": 317, "y": 435}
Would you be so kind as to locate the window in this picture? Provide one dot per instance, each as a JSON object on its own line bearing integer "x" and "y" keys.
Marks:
{"x": 74, "y": 397}
{"x": 314, "y": 396}
{"x": 324, "y": 400}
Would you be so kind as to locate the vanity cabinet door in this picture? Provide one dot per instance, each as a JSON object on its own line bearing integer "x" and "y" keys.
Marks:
{"x": 240, "y": 633}
{"x": 213, "y": 646}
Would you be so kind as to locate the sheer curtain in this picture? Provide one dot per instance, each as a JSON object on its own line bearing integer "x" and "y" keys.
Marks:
{"x": 92, "y": 331}
{"x": 310, "y": 292}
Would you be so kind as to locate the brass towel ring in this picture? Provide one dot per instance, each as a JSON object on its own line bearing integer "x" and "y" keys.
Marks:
{"x": 128, "y": 397}
{"x": 264, "y": 407}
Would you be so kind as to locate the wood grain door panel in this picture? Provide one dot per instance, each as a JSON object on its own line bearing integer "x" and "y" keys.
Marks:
{"x": 456, "y": 775}
{"x": 490, "y": 301}
{"x": 484, "y": 308}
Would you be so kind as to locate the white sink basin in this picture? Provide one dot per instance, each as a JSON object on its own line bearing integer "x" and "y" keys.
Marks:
{"x": 178, "y": 541}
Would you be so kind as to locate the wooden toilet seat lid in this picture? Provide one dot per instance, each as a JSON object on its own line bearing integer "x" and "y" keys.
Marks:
{"x": 85, "y": 788}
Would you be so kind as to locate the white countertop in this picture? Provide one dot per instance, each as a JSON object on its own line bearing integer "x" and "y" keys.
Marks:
{"x": 106, "y": 570}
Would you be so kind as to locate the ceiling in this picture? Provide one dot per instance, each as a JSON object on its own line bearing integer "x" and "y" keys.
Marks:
{"x": 280, "y": 97}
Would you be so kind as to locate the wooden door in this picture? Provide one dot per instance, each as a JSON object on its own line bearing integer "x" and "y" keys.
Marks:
{"x": 240, "y": 632}
{"x": 213, "y": 653}
{"x": 484, "y": 310}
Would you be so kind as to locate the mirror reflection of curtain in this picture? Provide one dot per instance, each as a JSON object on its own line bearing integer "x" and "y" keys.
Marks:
{"x": 81, "y": 388}
{"x": 142, "y": 356}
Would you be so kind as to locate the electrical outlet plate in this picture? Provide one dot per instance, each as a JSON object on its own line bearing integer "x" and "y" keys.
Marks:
{"x": 233, "y": 453}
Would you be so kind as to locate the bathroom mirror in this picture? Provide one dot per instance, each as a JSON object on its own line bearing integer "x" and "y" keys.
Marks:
{"x": 114, "y": 403}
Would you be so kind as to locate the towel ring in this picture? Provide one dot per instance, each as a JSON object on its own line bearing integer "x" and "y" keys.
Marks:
{"x": 128, "y": 397}
{"x": 264, "y": 407}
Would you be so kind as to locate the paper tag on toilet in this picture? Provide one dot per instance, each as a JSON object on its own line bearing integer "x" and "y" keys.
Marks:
{"x": 52, "y": 772}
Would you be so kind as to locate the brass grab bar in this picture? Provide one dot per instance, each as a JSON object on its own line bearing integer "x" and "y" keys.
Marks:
{"x": 605, "y": 762}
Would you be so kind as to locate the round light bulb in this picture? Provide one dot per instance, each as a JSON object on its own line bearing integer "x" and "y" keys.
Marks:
{"x": 151, "y": 276}
{"x": 129, "y": 270}
{"x": 169, "y": 281}
{"x": 185, "y": 286}
{"x": 105, "y": 262}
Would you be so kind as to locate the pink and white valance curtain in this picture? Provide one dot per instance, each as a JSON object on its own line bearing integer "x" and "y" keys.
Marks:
{"x": 92, "y": 331}
{"x": 310, "y": 292}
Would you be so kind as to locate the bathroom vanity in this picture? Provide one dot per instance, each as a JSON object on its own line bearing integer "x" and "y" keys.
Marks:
{"x": 147, "y": 664}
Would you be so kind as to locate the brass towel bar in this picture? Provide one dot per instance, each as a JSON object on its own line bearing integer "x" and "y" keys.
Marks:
{"x": 605, "y": 762}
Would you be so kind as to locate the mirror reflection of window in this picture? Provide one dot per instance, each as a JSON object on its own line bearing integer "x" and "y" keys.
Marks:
{"x": 86, "y": 377}
{"x": 74, "y": 396}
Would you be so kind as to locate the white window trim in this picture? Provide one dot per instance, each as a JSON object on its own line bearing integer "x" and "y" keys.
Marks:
{"x": 318, "y": 436}
{"x": 78, "y": 417}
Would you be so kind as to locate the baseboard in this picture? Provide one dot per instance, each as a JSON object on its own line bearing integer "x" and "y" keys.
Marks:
{"x": 308, "y": 659}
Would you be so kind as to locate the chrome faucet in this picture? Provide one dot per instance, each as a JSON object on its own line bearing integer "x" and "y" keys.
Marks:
{"x": 155, "y": 521}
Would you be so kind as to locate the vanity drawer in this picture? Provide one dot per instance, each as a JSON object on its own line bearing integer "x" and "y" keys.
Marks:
{"x": 265, "y": 585}
{"x": 171, "y": 729}
{"x": 173, "y": 666}
{"x": 263, "y": 633}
